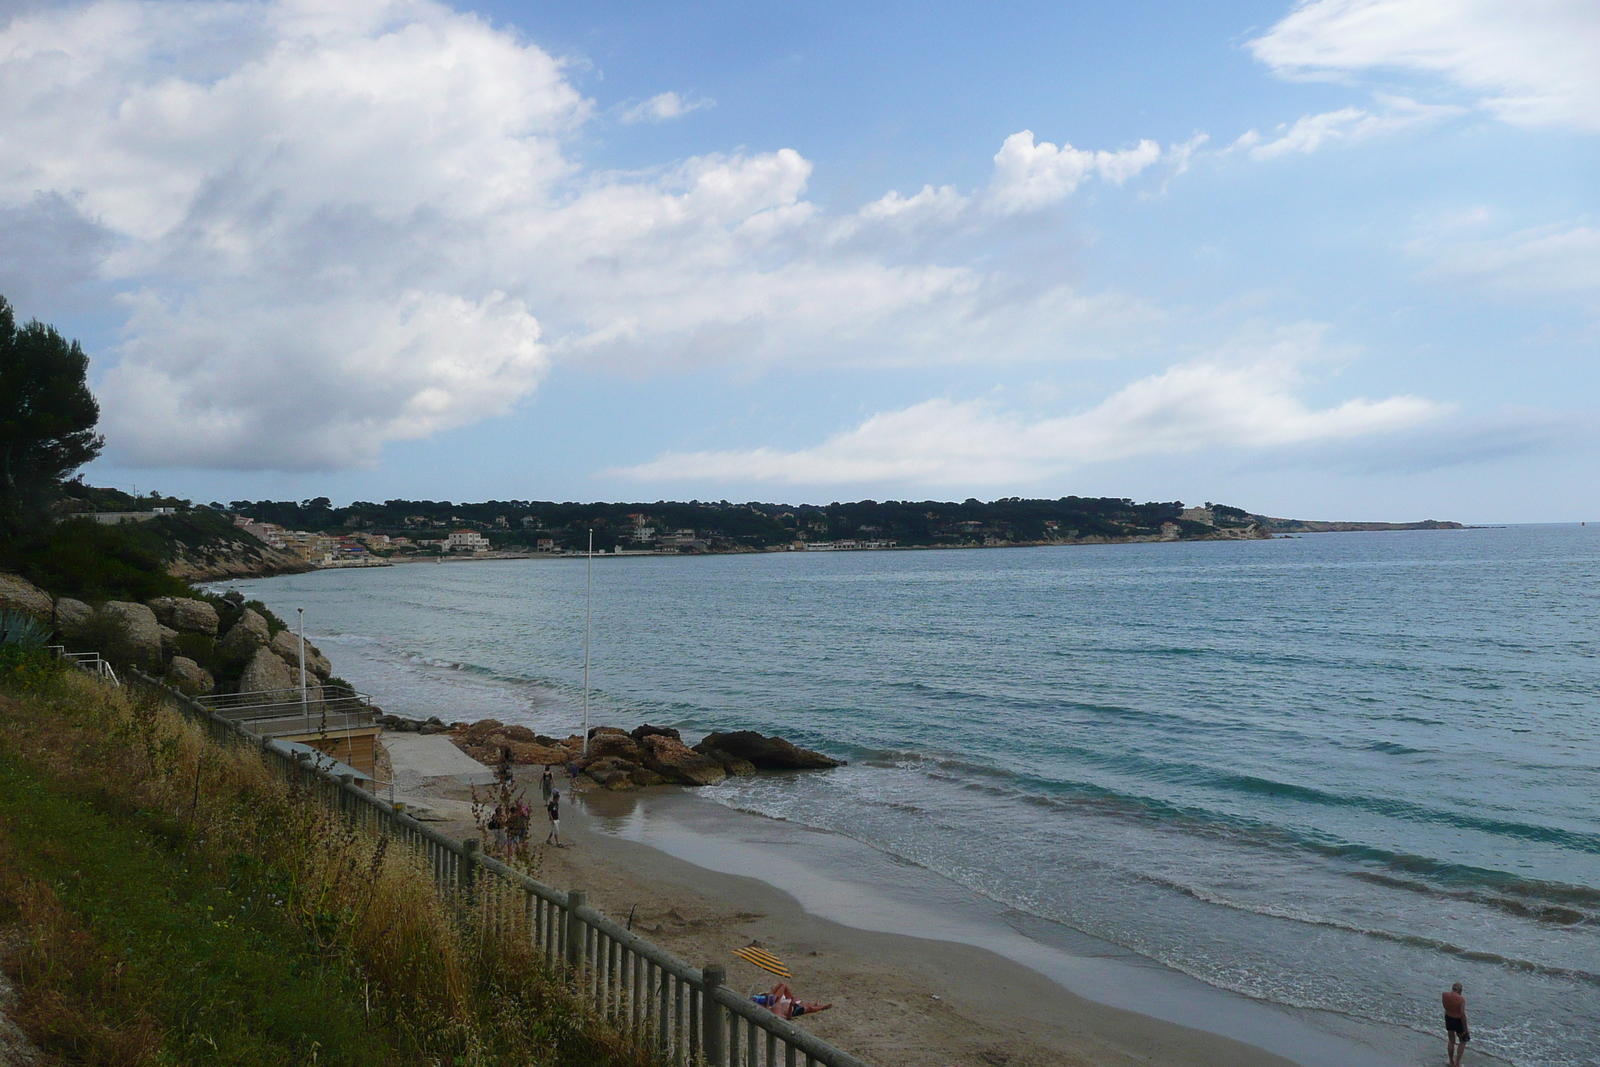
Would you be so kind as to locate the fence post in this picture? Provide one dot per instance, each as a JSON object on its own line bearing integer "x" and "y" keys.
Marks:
{"x": 346, "y": 801}
{"x": 713, "y": 1034}
{"x": 469, "y": 867}
{"x": 575, "y": 900}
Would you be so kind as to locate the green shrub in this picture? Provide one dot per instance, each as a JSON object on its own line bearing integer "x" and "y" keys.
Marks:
{"x": 82, "y": 559}
{"x": 25, "y": 630}
{"x": 24, "y": 668}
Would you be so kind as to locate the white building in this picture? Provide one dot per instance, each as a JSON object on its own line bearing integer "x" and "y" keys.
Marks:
{"x": 467, "y": 541}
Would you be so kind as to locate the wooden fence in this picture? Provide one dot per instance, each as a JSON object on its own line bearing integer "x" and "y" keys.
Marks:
{"x": 684, "y": 1013}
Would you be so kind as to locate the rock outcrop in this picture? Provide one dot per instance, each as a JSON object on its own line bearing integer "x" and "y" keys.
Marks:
{"x": 137, "y": 631}
{"x": 677, "y": 762}
{"x": 73, "y": 617}
{"x": 248, "y": 634}
{"x": 22, "y": 596}
{"x": 487, "y": 739}
{"x": 641, "y": 732}
{"x": 649, "y": 755}
{"x": 767, "y": 753}
{"x": 266, "y": 671}
{"x": 287, "y": 646}
{"x": 185, "y": 615}
{"x": 736, "y": 766}
{"x": 185, "y": 674}
{"x": 169, "y": 641}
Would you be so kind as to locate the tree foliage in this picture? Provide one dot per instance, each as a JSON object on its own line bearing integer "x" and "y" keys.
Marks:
{"x": 47, "y": 413}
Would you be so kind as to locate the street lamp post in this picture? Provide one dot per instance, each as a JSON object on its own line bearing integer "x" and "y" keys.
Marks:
{"x": 588, "y": 614}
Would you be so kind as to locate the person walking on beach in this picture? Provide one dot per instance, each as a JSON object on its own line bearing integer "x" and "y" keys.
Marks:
{"x": 497, "y": 826}
{"x": 517, "y": 828}
{"x": 553, "y": 809}
{"x": 547, "y": 782}
{"x": 1455, "y": 1025}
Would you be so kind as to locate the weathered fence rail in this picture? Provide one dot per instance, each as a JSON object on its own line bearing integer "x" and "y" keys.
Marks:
{"x": 684, "y": 1013}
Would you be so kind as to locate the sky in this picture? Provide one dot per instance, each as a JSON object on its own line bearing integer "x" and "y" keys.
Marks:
{"x": 1333, "y": 259}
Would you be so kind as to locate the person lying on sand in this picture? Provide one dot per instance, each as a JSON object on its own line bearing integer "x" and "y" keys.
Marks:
{"x": 782, "y": 1002}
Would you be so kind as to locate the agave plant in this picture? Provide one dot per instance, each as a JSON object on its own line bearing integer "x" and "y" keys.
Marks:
{"x": 24, "y": 630}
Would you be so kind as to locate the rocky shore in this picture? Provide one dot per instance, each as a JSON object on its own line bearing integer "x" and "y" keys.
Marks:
{"x": 620, "y": 760}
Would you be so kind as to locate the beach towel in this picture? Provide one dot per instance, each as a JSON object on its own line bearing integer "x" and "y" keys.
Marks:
{"x": 763, "y": 959}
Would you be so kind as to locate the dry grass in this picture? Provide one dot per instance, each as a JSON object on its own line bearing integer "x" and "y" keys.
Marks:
{"x": 441, "y": 985}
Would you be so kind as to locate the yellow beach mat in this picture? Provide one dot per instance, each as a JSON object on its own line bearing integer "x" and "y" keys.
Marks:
{"x": 763, "y": 959}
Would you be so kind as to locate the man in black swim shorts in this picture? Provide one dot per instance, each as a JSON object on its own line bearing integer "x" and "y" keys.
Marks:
{"x": 1455, "y": 1025}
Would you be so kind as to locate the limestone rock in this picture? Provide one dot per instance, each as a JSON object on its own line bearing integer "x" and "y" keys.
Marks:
{"x": 736, "y": 766}
{"x": 137, "y": 631}
{"x": 617, "y": 745}
{"x": 677, "y": 762}
{"x": 73, "y": 617}
{"x": 266, "y": 672}
{"x": 22, "y": 596}
{"x": 247, "y": 635}
{"x": 188, "y": 676}
{"x": 169, "y": 641}
{"x": 645, "y": 776}
{"x": 186, "y": 615}
{"x": 768, "y": 753}
{"x": 479, "y": 732}
{"x": 287, "y": 646}
{"x": 642, "y": 732}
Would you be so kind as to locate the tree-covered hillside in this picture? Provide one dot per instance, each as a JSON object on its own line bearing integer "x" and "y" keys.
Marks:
{"x": 724, "y": 525}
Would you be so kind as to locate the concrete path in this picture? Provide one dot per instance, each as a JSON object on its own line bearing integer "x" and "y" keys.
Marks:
{"x": 415, "y": 756}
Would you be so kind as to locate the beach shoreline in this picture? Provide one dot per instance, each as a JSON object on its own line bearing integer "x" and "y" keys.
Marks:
{"x": 917, "y": 974}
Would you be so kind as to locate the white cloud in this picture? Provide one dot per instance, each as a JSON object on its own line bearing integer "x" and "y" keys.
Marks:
{"x": 1545, "y": 260}
{"x": 664, "y": 106}
{"x": 1224, "y": 403}
{"x": 385, "y": 369}
{"x": 337, "y": 223}
{"x": 1532, "y": 62}
{"x": 1028, "y": 176}
{"x": 1348, "y": 125}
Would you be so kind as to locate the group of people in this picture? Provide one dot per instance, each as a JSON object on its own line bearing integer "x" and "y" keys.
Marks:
{"x": 509, "y": 824}
{"x": 510, "y": 820}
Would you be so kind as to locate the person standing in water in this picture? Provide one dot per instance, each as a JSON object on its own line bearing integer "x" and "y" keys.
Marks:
{"x": 547, "y": 782}
{"x": 1455, "y": 1025}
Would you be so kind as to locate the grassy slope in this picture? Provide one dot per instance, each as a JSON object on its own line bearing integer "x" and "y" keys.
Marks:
{"x": 169, "y": 963}
{"x": 183, "y": 906}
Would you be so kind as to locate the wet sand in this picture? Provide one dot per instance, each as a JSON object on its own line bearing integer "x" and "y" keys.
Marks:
{"x": 919, "y": 971}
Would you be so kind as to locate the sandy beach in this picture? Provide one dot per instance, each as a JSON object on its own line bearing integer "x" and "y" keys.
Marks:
{"x": 698, "y": 879}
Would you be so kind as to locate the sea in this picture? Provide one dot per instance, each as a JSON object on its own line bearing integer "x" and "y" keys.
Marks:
{"x": 1335, "y": 771}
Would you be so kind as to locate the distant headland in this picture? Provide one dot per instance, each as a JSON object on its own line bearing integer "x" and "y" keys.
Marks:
{"x": 248, "y": 538}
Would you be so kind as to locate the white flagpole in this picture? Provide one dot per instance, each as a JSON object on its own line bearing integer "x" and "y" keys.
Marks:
{"x": 304, "y": 711}
{"x": 588, "y": 606}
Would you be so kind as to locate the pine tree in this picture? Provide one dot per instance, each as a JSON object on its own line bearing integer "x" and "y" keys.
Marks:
{"x": 47, "y": 414}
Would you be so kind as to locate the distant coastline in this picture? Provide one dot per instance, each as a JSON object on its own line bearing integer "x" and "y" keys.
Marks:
{"x": 246, "y": 539}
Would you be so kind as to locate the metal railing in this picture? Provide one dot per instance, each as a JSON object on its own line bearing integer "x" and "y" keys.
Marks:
{"x": 92, "y": 662}
{"x": 685, "y": 1014}
{"x": 321, "y": 708}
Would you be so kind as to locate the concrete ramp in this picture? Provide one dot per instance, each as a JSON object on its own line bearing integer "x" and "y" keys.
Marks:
{"x": 416, "y": 756}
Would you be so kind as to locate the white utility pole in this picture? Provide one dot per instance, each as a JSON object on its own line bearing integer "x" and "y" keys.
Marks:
{"x": 588, "y": 614}
{"x": 304, "y": 710}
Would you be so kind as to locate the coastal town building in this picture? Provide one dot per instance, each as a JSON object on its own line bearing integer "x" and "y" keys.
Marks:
{"x": 467, "y": 541}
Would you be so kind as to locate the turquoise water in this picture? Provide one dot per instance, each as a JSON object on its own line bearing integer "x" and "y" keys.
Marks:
{"x": 1338, "y": 771}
